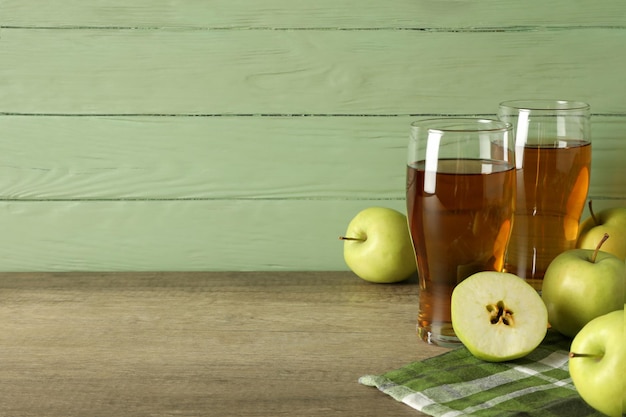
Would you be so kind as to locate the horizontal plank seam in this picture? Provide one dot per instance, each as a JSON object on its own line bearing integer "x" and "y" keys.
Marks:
{"x": 141, "y": 199}
{"x": 226, "y": 114}
{"x": 529, "y": 28}
{"x": 156, "y": 199}
{"x": 208, "y": 115}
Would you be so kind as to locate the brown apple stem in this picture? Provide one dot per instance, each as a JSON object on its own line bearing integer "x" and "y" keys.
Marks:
{"x": 593, "y": 215}
{"x": 583, "y": 355}
{"x": 595, "y": 252}
{"x": 351, "y": 238}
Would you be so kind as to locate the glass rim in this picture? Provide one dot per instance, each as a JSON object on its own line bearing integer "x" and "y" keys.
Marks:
{"x": 468, "y": 124}
{"x": 545, "y": 104}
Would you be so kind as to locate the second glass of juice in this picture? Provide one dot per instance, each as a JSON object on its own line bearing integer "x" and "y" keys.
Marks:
{"x": 553, "y": 158}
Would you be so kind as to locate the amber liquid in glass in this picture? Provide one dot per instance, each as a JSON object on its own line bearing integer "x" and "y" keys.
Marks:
{"x": 460, "y": 224}
{"x": 552, "y": 189}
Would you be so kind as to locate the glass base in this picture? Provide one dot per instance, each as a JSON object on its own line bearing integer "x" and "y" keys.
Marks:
{"x": 439, "y": 334}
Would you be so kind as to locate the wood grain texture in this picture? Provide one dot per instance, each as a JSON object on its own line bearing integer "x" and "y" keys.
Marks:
{"x": 245, "y": 344}
{"x": 165, "y": 158}
{"x": 325, "y": 14}
{"x": 177, "y": 235}
{"x": 213, "y": 235}
{"x": 235, "y": 72}
{"x": 180, "y": 135}
{"x": 152, "y": 158}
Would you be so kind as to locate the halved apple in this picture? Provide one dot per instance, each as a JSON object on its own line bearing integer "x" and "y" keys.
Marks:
{"x": 498, "y": 316}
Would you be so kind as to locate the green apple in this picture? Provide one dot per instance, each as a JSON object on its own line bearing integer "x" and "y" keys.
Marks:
{"x": 377, "y": 246}
{"x": 498, "y": 316}
{"x": 598, "y": 361}
{"x": 582, "y": 284}
{"x": 611, "y": 221}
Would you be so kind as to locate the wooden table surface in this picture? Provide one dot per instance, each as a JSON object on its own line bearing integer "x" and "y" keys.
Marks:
{"x": 200, "y": 344}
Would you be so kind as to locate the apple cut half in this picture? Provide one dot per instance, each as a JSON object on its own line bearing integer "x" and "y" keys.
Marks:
{"x": 498, "y": 316}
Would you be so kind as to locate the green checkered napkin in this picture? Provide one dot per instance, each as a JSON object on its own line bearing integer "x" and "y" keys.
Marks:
{"x": 456, "y": 384}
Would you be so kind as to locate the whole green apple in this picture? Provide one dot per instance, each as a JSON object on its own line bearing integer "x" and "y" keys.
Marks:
{"x": 597, "y": 363}
{"x": 580, "y": 285}
{"x": 378, "y": 247}
{"x": 611, "y": 221}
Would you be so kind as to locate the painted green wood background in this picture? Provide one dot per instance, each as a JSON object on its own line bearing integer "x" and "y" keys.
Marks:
{"x": 244, "y": 135}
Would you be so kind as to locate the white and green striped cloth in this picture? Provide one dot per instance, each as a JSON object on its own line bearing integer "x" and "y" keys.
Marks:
{"x": 457, "y": 384}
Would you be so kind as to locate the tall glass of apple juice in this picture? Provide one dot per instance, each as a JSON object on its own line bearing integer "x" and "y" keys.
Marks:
{"x": 460, "y": 204}
{"x": 553, "y": 161}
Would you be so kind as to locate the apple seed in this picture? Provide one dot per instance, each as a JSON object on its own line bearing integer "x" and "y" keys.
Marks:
{"x": 499, "y": 313}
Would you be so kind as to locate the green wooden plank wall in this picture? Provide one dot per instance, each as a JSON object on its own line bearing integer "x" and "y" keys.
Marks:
{"x": 244, "y": 135}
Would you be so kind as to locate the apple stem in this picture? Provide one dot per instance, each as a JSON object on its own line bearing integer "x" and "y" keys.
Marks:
{"x": 593, "y": 215}
{"x": 351, "y": 238}
{"x": 583, "y": 355}
{"x": 595, "y": 252}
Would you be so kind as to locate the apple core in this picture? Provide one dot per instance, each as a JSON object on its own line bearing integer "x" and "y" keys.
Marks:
{"x": 499, "y": 313}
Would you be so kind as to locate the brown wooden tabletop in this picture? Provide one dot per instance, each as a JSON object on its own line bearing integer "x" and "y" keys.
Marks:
{"x": 199, "y": 344}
